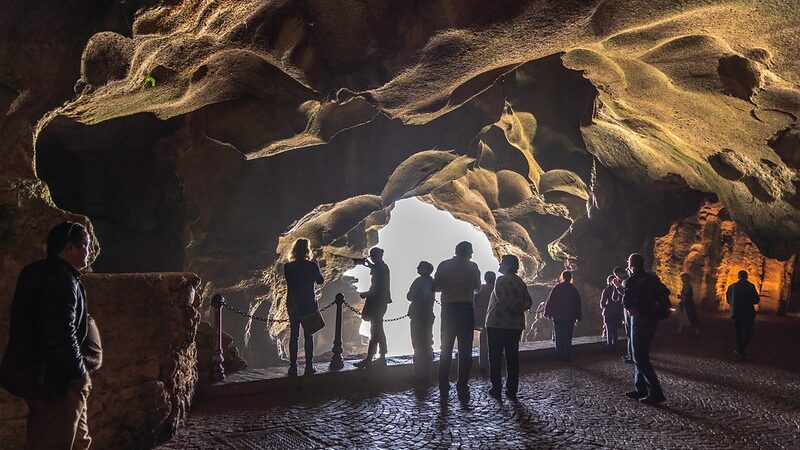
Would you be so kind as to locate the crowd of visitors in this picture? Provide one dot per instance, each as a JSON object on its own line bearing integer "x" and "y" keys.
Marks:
{"x": 54, "y": 344}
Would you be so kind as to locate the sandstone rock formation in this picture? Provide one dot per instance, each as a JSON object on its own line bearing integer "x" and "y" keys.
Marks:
{"x": 209, "y": 135}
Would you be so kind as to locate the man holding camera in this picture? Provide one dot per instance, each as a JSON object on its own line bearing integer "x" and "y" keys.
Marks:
{"x": 376, "y": 301}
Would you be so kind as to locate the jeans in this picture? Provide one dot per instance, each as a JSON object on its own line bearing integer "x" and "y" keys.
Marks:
{"x": 458, "y": 321}
{"x": 644, "y": 375}
{"x": 60, "y": 423}
{"x": 483, "y": 352}
{"x": 294, "y": 335}
{"x": 744, "y": 332}
{"x": 611, "y": 334}
{"x": 629, "y": 334}
{"x": 563, "y": 330}
{"x": 504, "y": 340}
{"x": 422, "y": 341}
{"x": 376, "y": 337}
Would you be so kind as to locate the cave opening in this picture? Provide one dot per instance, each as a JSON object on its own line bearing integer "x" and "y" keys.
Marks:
{"x": 418, "y": 231}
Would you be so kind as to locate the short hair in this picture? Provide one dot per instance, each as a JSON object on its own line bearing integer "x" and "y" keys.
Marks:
{"x": 636, "y": 260}
{"x": 611, "y": 279}
{"x": 489, "y": 277}
{"x": 742, "y": 274}
{"x": 618, "y": 269}
{"x": 375, "y": 251}
{"x": 64, "y": 233}
{"x": 686, "y": 277}
{"x": 566, "y": 275}
{"x": 301, "y": 249}
{"x": 464, "y": 248}
{"x": 426, "y": 266}
{"x": 512, "y": 262}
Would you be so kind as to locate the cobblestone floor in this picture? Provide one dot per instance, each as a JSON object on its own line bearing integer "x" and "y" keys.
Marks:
{"x": 713, "y": 401}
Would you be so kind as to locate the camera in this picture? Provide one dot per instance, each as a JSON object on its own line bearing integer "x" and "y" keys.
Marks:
{"x": 360, "y": 261}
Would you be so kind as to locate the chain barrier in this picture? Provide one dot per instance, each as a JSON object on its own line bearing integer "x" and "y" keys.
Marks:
{"x": 266, "y": 319}
{"x": 358, "y": 313}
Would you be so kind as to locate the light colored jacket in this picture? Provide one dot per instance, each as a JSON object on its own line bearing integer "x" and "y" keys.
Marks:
{"x": 508, "y": 303}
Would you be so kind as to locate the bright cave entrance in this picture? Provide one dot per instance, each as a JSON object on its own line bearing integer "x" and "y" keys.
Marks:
{"x": 418, "y": 232}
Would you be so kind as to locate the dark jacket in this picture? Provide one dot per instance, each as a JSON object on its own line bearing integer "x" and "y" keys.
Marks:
{"x": 378, "y": 296}
{"x": 563, "y": 303}
{"x": 631, "y": 294}
{"x": 742, "y": 295}
{"x": 300, "y": 277}
{"x": 49, "y": 323}
{"x": 611, "y": 305}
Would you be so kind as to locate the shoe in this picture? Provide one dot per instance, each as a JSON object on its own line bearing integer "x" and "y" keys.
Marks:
{"x": 495, "y": 393}
{"x": 310, "y": 370}
{"x": 653, "y": 399}
{"x": 292, "y": 371}
{"x": 463, "y": 394}
{"x": 636, "y": 395}
{"x": 380, "y": 362}
{"x": 365, "y": 363}
{"x": 741, "y": 355}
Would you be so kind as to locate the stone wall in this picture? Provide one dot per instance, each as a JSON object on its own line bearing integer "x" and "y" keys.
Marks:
{"x": 713, "y": 249}
{"x": 143, "y": 392}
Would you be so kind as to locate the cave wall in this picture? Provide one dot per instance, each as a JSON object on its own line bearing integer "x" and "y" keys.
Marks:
{"x": 144, "y": 389}
{"x": 713, "y": 249}
{"x": 578, "y": 130}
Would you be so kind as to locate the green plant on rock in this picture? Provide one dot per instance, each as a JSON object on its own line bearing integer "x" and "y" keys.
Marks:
{"x": 149, "y": 81}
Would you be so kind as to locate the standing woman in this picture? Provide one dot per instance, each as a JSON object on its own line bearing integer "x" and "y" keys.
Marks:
{"x": 505, "y": 320}
{"x": 688, "y": 312}
{"x": 301, "y": 274}
{"x": 611, "y": 309}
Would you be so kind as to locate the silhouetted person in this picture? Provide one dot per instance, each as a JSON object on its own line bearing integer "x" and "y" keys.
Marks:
{"x": 687, "y": 313}
{"x": 458, "y": 279}
{"x": 621, "y": 276}
{"x": 742, "y": 296}
{"x": 481, "y": 305}
{"x": 301, "y": 273}
{"x": 505, "y": 320}
{"x": 377, "y": 300}
{"x": 46, "y": 358}
{"x": 611, "y": 309}
{"x": 643, "y": 330}
{"x": 420, "y": 294}
{"x": 563, "y": 306}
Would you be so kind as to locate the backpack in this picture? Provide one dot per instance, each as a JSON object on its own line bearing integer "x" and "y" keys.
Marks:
{"x": 655, "y": 295}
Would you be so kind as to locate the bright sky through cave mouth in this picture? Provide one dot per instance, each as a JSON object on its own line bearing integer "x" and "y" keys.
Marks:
{"x": 418, "y": 232}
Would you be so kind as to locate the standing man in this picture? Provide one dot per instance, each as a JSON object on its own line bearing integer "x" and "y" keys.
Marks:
{"x": 621, "y": 275}
{"x": 458, "y": 279}
{"x": 481, "y": 305}
{"x": 377, "y": 300}
{"x": 48, "y": 358}
{"x": 563, "y": 306}
{"x": 741, "y": 296}
{"x": 643, "y": 330}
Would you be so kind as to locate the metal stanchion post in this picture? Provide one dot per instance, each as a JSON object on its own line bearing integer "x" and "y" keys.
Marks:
{"x": 337, "y": 362}
{"x": 217, "y": 371}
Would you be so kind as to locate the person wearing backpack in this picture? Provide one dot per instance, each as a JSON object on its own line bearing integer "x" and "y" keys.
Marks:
{"x": 644, "y": 302}
{"x": 53, "y": 343}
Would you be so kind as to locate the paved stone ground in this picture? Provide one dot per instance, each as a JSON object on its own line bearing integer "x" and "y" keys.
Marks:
{"x": 714, "y": 401}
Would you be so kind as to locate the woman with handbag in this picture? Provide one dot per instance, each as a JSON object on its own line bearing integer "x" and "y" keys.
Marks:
{"x": 301, "y": 303}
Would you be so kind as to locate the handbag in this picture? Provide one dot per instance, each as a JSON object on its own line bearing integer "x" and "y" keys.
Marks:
{"x": 312, "y": 322}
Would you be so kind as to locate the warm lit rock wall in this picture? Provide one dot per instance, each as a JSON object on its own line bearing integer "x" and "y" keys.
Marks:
{"x": 144, "y": 390}
{"x": 713, "y": 249}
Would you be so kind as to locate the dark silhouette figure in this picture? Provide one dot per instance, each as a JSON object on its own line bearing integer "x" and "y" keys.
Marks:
{"x": 687, "y": 314}
{"x": 377, "y": 300}
{"x": 621, "y": 275}
{"x": 563, "y": 306}
{"x": 643, "y": 330}
{"x": 481, "y": 305}
{"x": 611, "y": 309}
{"x": 49, "y": 357}
{"x": 420, "y": 294}
{"x": 301, "y": 273}
{"x": 505, "y": 320}
{"x": 458, "y": 279}
{"x": 742, "y": 296}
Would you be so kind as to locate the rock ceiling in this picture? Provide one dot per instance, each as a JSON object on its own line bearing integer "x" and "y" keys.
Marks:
{"x": 212, "y": 133}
